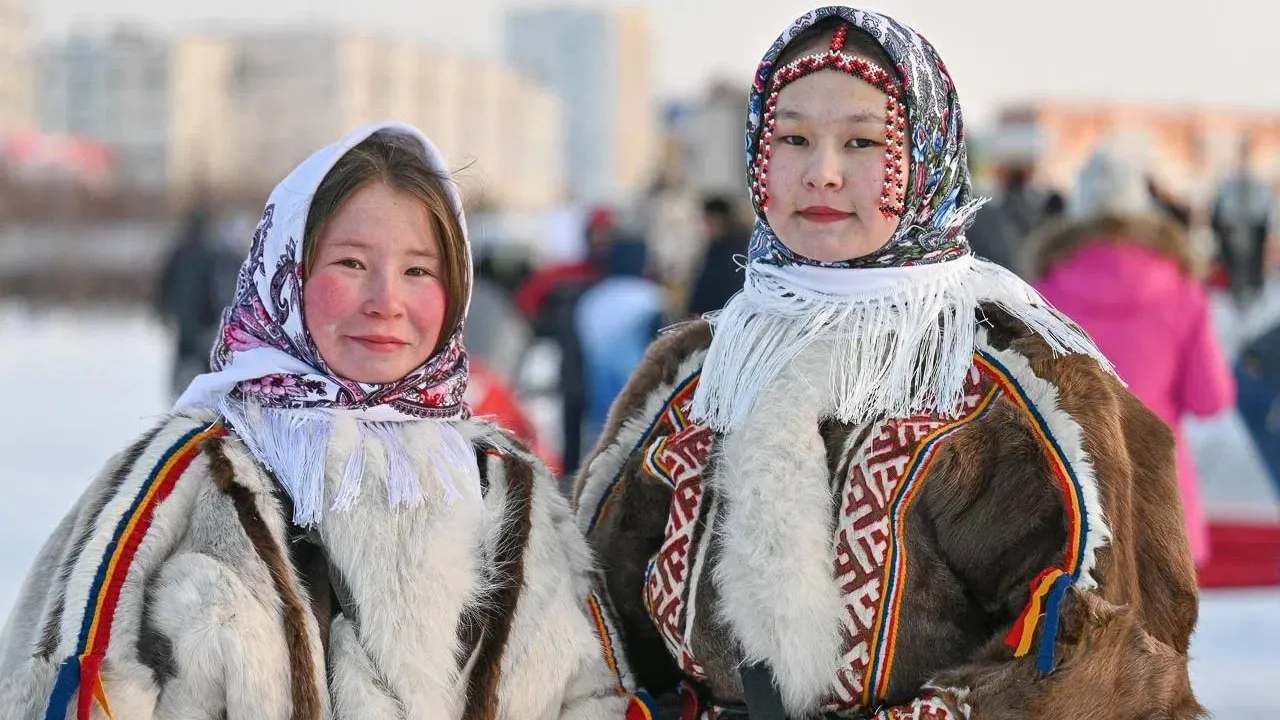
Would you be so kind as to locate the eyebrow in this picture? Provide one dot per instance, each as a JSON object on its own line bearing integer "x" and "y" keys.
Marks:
{"x": 860, "y": 116}
{"x": 362, "y": 245}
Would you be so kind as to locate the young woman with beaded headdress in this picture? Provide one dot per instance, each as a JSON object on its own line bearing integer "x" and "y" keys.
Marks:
{"x": 887, "y": 479}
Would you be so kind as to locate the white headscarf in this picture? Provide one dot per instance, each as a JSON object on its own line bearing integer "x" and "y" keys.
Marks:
{"x": 275, "y": 389}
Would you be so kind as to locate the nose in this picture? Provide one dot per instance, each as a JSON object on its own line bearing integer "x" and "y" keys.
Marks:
{"x": 384, "y": 296}
{"x": 824, "y": 171}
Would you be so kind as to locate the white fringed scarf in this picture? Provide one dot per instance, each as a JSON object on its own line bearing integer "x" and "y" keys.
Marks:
{"x": 903, "y": 337}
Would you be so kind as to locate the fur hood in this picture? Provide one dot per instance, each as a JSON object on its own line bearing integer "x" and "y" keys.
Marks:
{"x": 1059, "y": 241}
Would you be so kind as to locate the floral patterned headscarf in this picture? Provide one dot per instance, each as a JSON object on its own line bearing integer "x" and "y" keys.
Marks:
{"x": 272, "y": 385}
{"x": 265, "y": 353}
{"x": 901, "y": 321}
{"x": 938, "y": 202}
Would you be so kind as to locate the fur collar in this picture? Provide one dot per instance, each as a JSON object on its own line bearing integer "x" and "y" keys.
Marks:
{"x": 776, "y": 532}
{"x": 1060, "y": 241}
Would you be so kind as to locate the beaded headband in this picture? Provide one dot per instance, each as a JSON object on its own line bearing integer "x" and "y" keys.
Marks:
{"x": 892, "y": 201}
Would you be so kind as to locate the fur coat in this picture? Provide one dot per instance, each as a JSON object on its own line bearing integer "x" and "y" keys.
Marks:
{"x": 177, "y": 587}
{"x": 898, "y": 569}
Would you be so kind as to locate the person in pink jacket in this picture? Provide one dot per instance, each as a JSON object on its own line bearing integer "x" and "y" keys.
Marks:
{"x": 1127, "y": 277}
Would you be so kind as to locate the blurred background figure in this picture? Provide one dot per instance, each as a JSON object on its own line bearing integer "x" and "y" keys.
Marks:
{"x": 496, "y": 331}
{"x": 1258, "y": 377}
{"x": 1003, "y": 227}
{"x": 615, "y": 319}
{"x": 549, "y": 298}
{"x": 1020, "y": 202}
{"x": 1126, "y": 274}
{"x": 720, "y": 277}
{"x": 196, "y": 283}
{"x": 1242, "y": 213}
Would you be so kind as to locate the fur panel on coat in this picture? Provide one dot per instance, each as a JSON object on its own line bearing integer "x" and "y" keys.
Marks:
{"x": 479, "y": 608}
{"x": 885, "y": 570}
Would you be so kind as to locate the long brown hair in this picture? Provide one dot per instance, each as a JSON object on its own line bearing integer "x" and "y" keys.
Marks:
{"x": 398, "y": 161}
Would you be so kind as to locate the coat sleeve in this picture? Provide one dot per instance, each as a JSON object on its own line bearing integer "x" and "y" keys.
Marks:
{"x": 559, "y": 659}
{"x": 1107, "y": 638}
{"x": 623, "y": 511}
{"x": 133, "y": 623}
{"x": 1206, "y": 385}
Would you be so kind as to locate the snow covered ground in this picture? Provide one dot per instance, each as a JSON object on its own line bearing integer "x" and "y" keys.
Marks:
{"x": 77, "y": 387}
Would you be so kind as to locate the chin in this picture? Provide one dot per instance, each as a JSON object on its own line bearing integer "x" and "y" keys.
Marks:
{"x": 374, "y": 375}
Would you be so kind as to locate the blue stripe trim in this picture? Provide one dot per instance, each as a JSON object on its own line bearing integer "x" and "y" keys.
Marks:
{"x": 645, "y": 437}
{"x": 63, "y": 688}
{"x": 96, "y": 589}
{"x": 1049, "y": 631}
{"x": 1040, "y": 420}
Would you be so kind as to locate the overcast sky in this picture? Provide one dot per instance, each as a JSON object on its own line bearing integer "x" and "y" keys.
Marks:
{"x": 1219, "y": 53}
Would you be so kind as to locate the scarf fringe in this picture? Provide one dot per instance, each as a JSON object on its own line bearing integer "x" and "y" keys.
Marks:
{"x": 294, "y": 444}
{"x": 897, "y": 352}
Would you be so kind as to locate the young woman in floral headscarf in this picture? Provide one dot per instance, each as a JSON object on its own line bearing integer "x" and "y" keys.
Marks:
{"x": 887, "y": 479}
{"x": 318, "y": 529}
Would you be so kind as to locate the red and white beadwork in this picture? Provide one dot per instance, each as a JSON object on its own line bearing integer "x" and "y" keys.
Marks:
{"x": 892, "y": 200}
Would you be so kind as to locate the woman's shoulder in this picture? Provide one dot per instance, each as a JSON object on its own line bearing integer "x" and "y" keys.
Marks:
{"x": 162, "y": 443}
{"x": 1056, "y": 242}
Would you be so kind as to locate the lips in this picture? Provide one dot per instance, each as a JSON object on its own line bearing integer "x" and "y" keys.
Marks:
{"x": 823, "y": 214}
{"x": 379, "y": 343}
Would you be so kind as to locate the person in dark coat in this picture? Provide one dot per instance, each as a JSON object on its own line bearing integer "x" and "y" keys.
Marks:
{"x": 721, "y": 277}
{"x": 196, "y": 282}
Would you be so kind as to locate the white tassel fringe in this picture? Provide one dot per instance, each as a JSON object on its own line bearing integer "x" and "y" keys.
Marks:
{"x": 293, "y": 444}
{"x": 902, "y": 338}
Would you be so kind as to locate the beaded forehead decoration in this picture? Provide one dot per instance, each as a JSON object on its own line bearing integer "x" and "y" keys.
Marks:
{"x": 892, "y": 200}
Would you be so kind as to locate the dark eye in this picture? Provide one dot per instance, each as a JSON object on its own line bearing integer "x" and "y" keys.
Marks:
{"x": 861, "y": 143}
{"x": 350, "y": 263}
{"x": 418, "y": 272}
{"x": 795, "y": 140}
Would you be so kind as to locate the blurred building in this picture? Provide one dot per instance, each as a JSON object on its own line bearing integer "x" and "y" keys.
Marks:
{"x": 203, "y": 149}
{"x": 111, "y": 87}
{"x": 708, "y": 133}
{"x": 597, "y": 61}
{"x": 15, "y": 66}
{"x": 230, "y": 111}
{"x": 1187, "y": 149}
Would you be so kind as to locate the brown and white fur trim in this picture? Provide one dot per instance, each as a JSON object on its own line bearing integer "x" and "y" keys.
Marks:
{"x": 474, "y": 608}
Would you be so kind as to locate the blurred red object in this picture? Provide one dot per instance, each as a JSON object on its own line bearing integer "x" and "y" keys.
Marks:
{"x": 533, "y": 294}
{"x": 490, "y": 396}
{"x": 1242, "y": 555}
{"x": 1218, "y": 278}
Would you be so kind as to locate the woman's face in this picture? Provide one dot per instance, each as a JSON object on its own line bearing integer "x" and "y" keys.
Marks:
{"x": 827, "y": 168}
{"x": 374, "y": 301}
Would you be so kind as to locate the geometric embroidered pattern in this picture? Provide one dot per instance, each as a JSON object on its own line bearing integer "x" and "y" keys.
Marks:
{"x": 884, "y": 475}
{"x": 677, "y": 454}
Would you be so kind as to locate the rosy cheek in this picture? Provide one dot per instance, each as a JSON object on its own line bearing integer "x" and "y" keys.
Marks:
{"x": 428, "y": 303}
{"x": 327, "y": 299}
